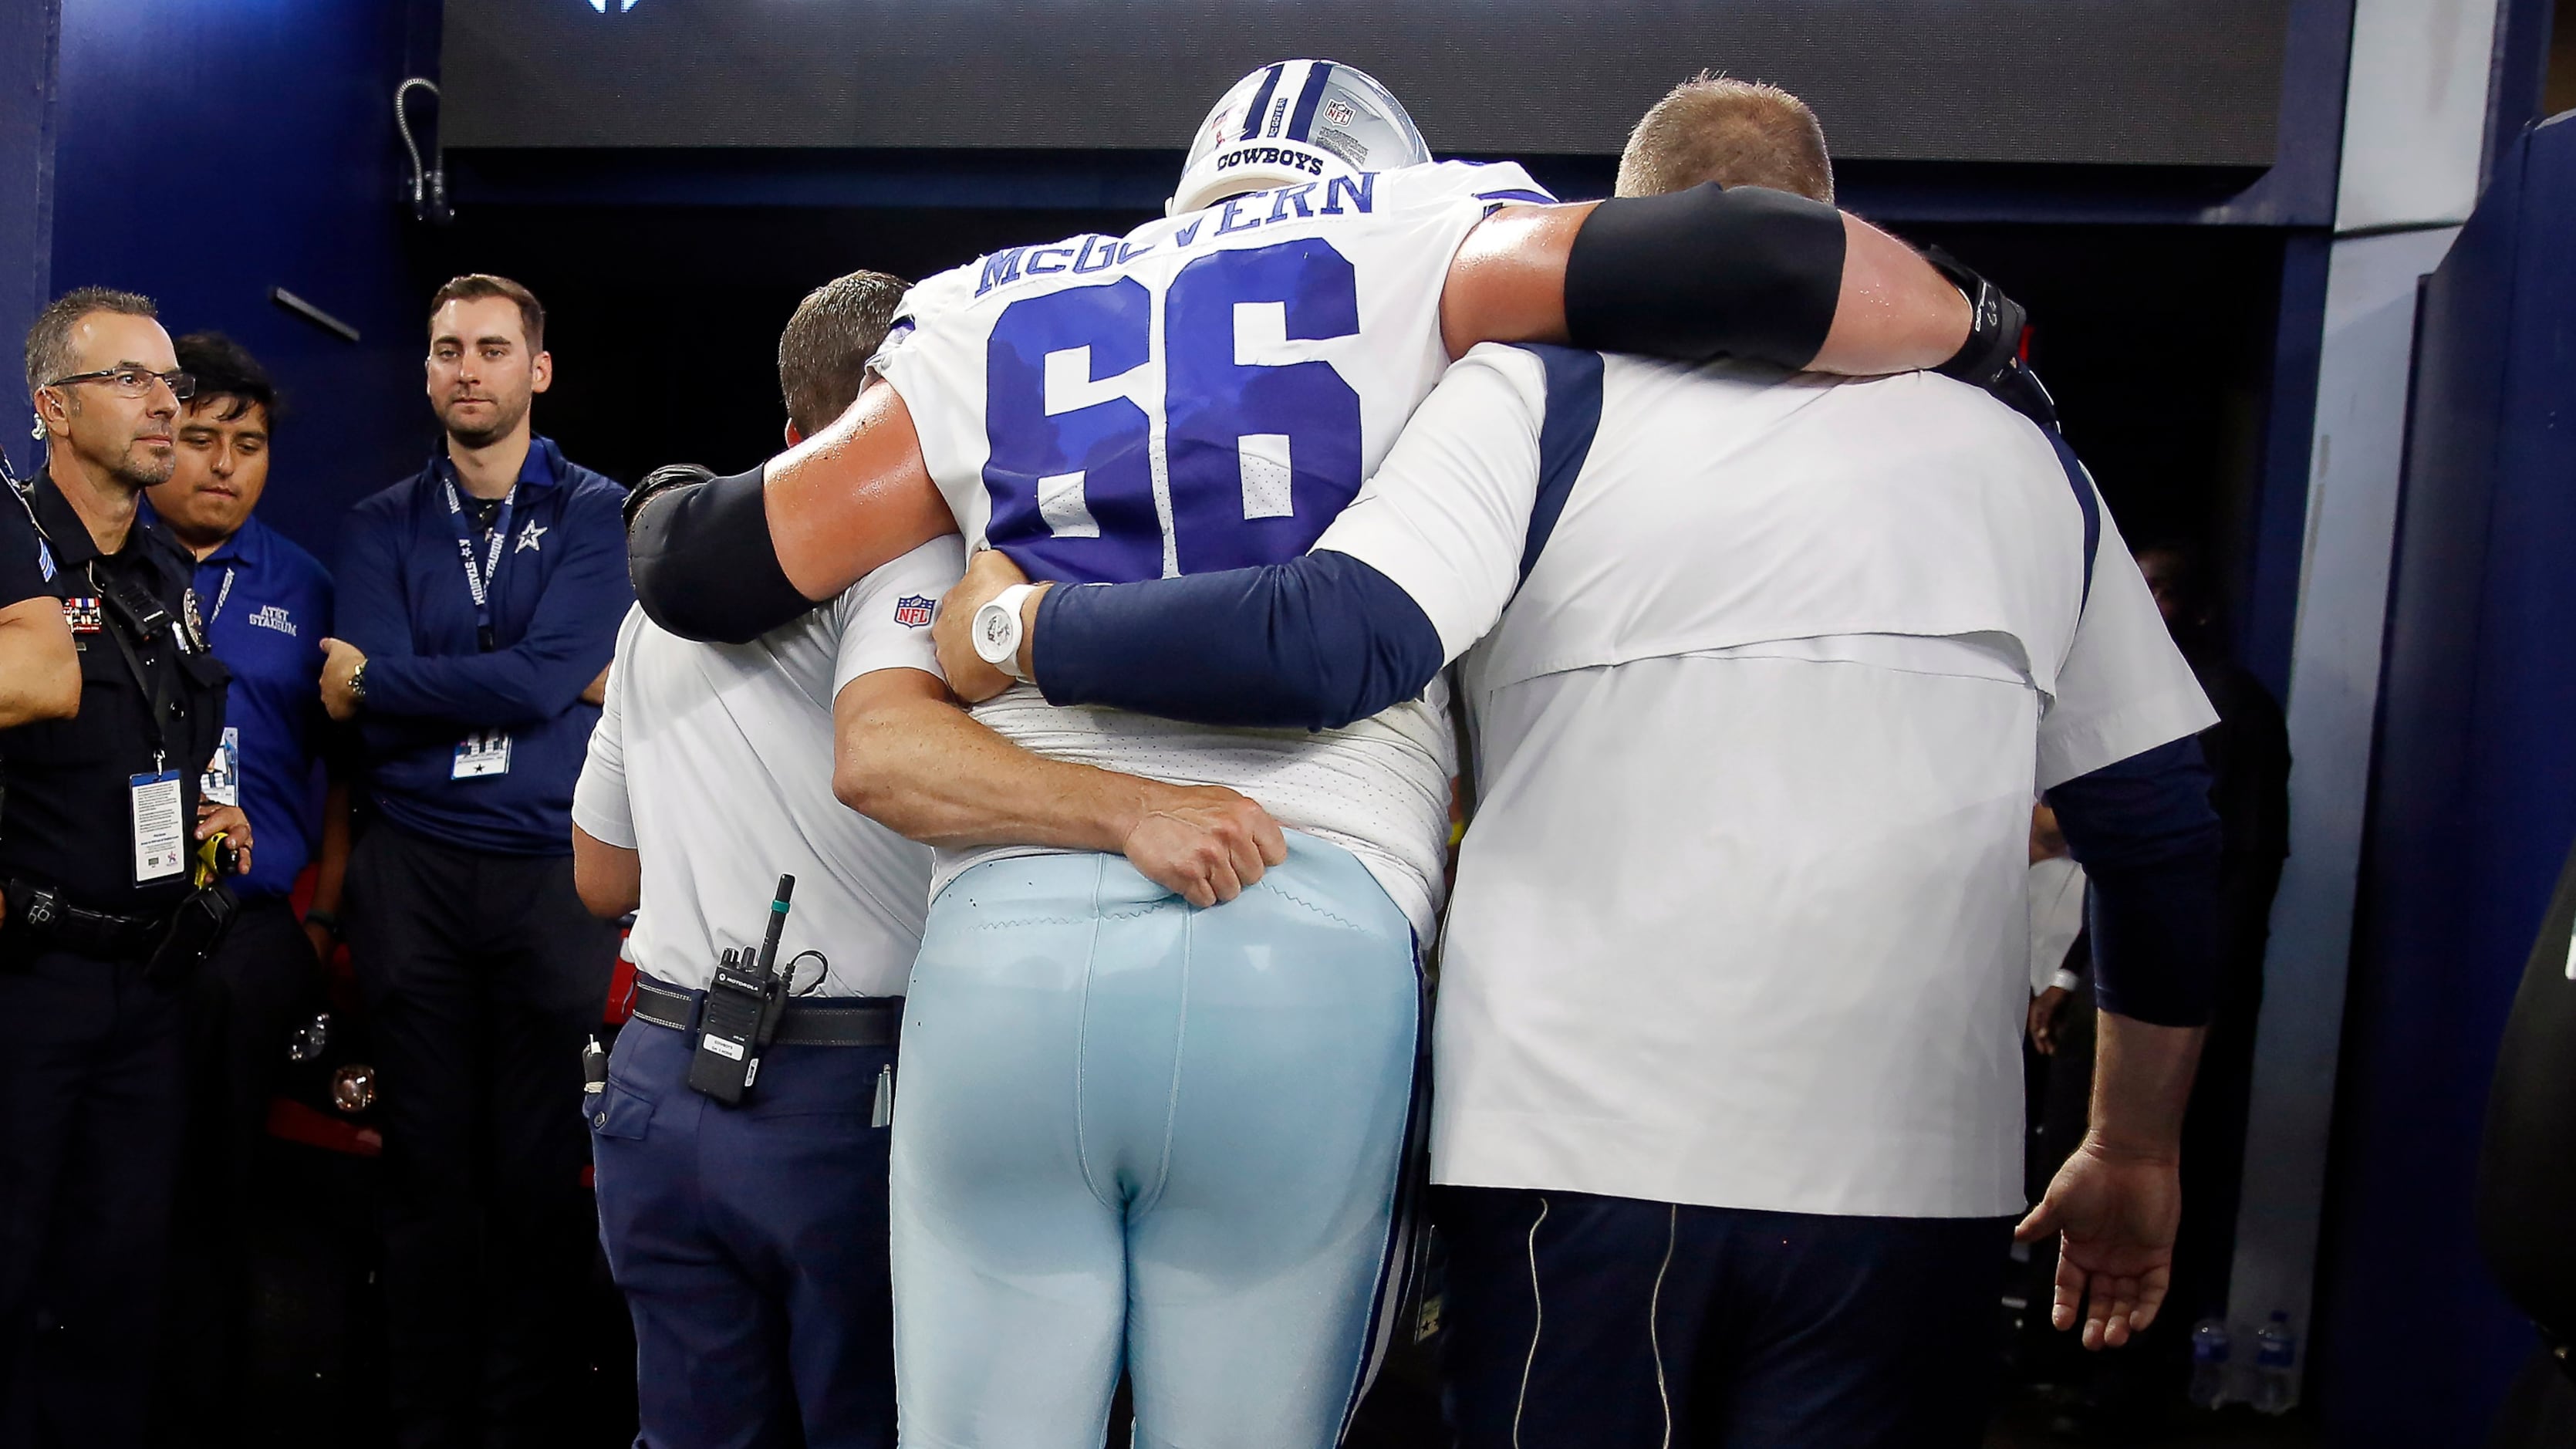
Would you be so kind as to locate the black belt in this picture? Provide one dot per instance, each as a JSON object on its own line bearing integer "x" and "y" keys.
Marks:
{"x": 43, "y": 912}
{"x": 832, "y": 1021}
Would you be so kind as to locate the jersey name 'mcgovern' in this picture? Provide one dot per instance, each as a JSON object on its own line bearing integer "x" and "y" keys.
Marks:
{"x": 1342, "y": 196}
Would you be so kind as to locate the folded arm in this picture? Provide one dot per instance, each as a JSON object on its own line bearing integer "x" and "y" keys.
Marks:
{"x": 568, "y": 639}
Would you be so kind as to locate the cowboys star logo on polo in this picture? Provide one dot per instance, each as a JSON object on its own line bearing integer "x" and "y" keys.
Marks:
{"x": 912, "y": 611}
{"x": 528, "y": 537}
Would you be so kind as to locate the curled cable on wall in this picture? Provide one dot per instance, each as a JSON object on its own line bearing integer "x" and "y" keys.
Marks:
{"x": 428, "y": 183}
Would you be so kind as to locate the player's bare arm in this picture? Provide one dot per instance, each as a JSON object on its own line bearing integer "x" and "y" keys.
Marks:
{"x": 907, "y": 757}
{"x": 1893, "y": 312}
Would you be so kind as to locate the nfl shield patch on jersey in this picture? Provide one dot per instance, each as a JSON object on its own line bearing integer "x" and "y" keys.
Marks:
{"x": 913, "y": 611}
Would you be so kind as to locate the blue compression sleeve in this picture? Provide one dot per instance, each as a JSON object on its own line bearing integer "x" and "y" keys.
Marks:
{"x": 2148, "y": 840}
{"x": 1316, "y": 642}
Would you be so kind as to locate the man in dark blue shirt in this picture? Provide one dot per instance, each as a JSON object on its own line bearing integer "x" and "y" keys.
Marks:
{"x": 479, "y": 604}
{"x": 267, "y": 606}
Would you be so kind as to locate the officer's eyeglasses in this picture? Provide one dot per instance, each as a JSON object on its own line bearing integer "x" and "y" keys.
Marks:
{"x": 135, "y": 381}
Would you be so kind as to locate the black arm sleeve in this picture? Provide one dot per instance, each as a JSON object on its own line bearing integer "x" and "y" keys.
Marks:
{"x": 2149, "y": 843}
{"x": 1709, "y": 272}
{"x": 702, "y": 563}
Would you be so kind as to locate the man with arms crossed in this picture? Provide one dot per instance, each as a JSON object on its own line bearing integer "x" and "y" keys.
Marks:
{"x": 1731, "y": 1160}
{"x": 478, "y": 607}
{"x": 751, "y": 1241}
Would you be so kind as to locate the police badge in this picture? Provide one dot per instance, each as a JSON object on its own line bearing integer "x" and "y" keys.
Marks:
{"x": 195, "y": 642}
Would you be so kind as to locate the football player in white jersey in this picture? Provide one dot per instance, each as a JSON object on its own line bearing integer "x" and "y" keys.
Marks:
{"x": 1728, "y": 1068}
{"x": 1132, "y": 1132}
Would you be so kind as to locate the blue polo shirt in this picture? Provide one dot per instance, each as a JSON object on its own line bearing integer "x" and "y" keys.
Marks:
{"x": 267, "y": 606}
{"x": 557, "y": 596}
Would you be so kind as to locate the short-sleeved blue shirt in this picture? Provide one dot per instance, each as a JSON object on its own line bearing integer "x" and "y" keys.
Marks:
{"x": 268, "y": 606}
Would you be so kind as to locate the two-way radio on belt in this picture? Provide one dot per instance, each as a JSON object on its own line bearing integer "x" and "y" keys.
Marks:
{"x": 740, "y": 1016}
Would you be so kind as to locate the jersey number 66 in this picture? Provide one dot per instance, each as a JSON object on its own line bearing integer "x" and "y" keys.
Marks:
{"x": 1253, "y": 461}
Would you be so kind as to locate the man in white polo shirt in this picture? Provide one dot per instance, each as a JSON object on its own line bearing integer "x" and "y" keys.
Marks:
{"x": 750, "y": 1239}
{"x": 1727, "y": 1055}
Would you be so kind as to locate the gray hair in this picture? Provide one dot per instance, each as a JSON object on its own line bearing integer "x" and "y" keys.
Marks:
{"x": 49, "y": 342}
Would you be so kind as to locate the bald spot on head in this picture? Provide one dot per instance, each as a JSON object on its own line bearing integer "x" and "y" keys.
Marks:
{"x": 1732, "y": 132}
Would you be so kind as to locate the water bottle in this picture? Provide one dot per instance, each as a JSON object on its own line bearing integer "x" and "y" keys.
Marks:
{"x": 2209, "y": 1363}
{"x": 2276, "y": 1389}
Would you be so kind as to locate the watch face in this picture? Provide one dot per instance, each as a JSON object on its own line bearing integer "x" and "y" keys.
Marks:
{"x": 997, "y": 631}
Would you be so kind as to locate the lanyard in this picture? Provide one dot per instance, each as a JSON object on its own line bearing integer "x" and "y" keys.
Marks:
{"x": 155, "y": 685}
{"x": 478, "y": 582}
{"x": 221, "y": 594}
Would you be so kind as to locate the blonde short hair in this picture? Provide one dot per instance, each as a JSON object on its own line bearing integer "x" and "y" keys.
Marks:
{"x": 1732, "y": 132}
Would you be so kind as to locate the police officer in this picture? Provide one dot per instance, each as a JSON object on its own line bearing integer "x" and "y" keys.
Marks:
{"x": 101, "y": 856}
{"x": 267, "y": 606}
{"x": 750, "y": 1238}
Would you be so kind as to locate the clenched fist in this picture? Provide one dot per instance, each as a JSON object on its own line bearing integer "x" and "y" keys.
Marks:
{"x": 1204, "y": 842}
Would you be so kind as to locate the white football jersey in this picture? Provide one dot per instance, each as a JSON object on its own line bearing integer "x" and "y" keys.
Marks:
{"x": 1204, "y": 393}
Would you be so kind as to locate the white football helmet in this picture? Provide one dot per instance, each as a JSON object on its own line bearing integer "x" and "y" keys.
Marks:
{"x": 1297, "y": 120}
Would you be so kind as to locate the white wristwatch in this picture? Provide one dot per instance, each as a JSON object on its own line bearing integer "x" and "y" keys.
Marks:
{"x": 997, "y": 630}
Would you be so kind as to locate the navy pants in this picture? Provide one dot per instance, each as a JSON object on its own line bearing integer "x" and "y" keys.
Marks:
{"x": 243, "y": 1004}
{"x": 1613, "y": 1322}
{"x": 92, "y": 1103}
{"x": 482, "y": 975}
{"x": 751, "y": 1245}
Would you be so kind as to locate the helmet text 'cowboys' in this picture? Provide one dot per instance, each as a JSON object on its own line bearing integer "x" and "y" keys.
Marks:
{"x": 1297, "y": 120}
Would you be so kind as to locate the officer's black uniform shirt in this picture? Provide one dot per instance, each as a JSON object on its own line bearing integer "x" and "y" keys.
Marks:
{"x": 22, "y": 575}
{"x": 67, "y": 819}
